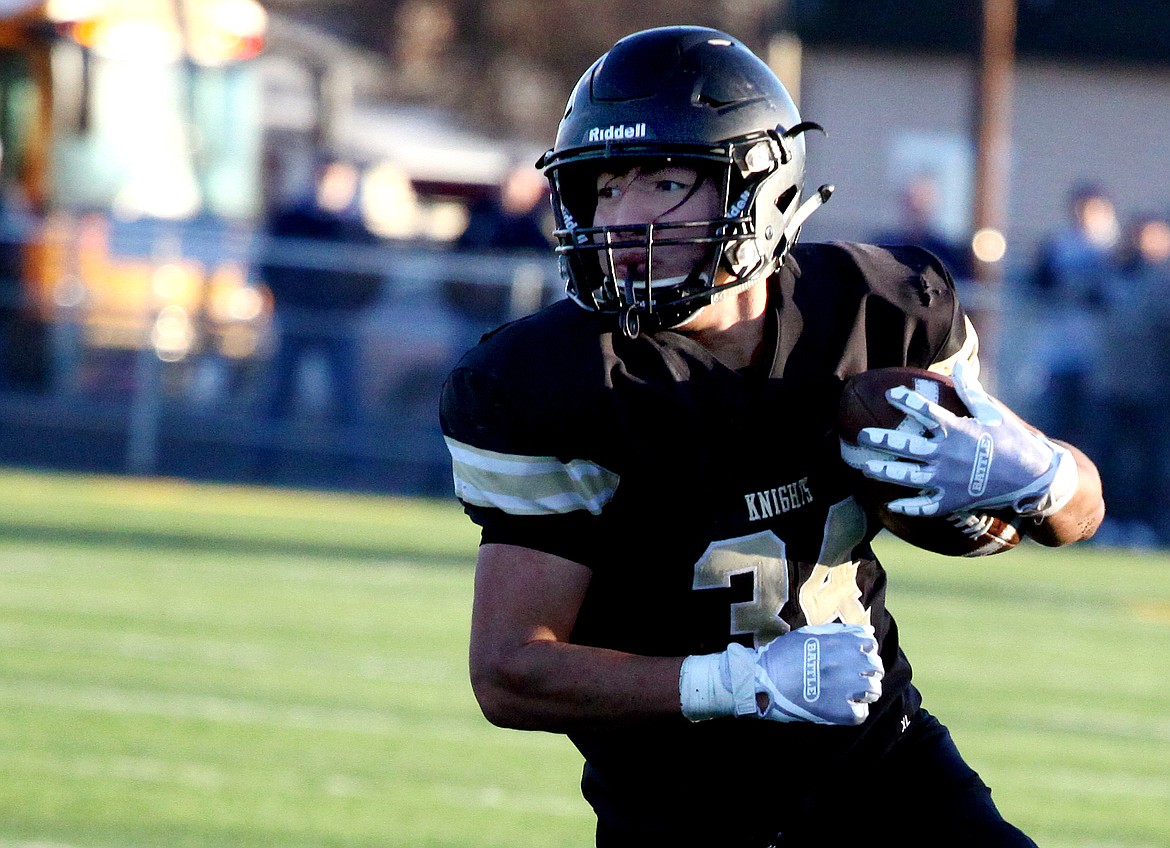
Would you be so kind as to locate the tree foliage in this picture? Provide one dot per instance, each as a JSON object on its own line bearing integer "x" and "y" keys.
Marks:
{"x": 508, "y": 65}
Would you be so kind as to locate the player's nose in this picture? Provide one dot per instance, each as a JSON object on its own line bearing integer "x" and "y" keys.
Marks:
{"x": 626, "y": 219}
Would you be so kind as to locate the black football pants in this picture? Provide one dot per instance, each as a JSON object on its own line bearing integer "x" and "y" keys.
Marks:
{"x": 923, "y": 795}
{"x": 919, "y": 793}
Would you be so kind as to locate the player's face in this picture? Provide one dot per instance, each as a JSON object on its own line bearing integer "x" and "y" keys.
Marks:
{"x": 657, "y": 194}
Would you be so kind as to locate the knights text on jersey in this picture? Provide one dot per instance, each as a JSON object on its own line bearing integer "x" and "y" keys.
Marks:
{"x": 710, "y": 504}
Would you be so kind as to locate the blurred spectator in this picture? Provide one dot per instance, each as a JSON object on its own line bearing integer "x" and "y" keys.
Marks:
{"x": 918, "y": 207}
{"x": 24, "y": 358}
{"x": 1068, "y": 286}
{"x": 12, "y": 308}
{"x": 317, "y": 298}
{"x": 1131, "y": 387}
{"x": 514, "y": 221}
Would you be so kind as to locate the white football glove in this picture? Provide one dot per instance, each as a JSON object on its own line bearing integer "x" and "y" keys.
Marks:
{"x": 987, "y": 460}
{"x": 824, "y": 674}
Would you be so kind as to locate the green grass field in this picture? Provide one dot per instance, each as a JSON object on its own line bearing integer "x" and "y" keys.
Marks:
{"x": 187, "y": 665}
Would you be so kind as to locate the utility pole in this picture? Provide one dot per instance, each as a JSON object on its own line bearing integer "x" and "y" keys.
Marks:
{"x": 993, "y": 159}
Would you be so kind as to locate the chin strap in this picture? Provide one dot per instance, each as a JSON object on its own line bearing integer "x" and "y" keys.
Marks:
{"x": 630, "y": 323}
{"x": 630, "y": 316}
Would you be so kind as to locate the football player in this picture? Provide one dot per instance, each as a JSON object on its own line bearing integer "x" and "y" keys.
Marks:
{"x": 673, "y": 569}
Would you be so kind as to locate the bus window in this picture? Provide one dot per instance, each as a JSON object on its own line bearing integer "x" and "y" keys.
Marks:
{"x": 140, "y": 157}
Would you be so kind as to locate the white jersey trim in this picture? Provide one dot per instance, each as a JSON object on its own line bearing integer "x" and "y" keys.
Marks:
{"x": 528, "y": 485}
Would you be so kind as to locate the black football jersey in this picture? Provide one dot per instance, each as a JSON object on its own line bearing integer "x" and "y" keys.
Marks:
{"x": 710, "y": 504}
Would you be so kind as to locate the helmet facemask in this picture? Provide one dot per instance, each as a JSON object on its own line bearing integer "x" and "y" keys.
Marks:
{"x": 758, "y": 182}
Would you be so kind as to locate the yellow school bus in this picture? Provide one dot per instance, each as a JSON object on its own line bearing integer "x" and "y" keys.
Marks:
{"x": 130, "y": 169}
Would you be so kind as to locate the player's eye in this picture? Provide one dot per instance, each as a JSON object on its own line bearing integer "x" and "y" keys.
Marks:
{"x": 608, "y": 187}
{"x": 670, "y": 185}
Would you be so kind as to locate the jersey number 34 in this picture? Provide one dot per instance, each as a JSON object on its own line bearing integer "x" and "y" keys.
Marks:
{"x": 830, "y": 593}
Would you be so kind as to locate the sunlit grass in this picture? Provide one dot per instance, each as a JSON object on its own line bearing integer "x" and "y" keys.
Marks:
{"x": 193, "y": 665}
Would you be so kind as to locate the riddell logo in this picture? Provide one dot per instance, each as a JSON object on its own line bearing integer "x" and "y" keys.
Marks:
{"x": 616, "y": 132}
{"x": 737, "y": 208}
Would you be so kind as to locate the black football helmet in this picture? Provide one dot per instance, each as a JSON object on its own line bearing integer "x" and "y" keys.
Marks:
{"x": 692, "y": 96}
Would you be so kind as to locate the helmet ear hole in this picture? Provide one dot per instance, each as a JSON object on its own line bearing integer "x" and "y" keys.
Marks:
{"x": 785, "y": 199}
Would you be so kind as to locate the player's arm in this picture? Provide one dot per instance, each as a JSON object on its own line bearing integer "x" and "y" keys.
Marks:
{"x": 526, "y": 674}
{"x": 524, "y": 670}
{"x": 1081, "y": 516}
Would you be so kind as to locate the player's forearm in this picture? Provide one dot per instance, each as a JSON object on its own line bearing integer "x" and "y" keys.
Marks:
{"x": 557, "y": 686}
{"x": 1081, "y": 516}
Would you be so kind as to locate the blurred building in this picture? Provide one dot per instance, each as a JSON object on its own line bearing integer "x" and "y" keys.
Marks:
{"x": 423, "y": 165}
{"x": 894, "y": 83}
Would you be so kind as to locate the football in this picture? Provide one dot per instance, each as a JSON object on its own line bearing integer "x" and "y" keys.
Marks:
{"x": 864, "y": 404}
